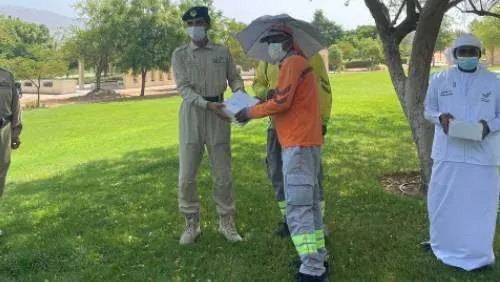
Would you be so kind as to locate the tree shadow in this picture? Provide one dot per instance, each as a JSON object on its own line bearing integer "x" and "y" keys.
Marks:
{"x": 117, "y": 219}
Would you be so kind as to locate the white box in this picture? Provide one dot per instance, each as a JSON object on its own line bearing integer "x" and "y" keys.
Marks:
{"x": 495, "y": 139}
{"x": 466, "y": 130}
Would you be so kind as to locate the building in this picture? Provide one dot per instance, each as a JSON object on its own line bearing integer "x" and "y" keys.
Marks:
{"x": 153, "y": 78}
{"x": 51, "y": 87}
{"x": 493, "y": 58}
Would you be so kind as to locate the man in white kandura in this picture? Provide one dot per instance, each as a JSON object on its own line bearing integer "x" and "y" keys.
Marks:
{"x": 463, "y": 191}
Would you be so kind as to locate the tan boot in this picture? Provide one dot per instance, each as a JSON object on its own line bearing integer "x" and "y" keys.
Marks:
{"x": 192, "y": 230}
{"x": 228, "y": 228}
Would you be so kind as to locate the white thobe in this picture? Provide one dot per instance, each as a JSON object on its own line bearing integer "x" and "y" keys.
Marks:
{"x": 464, "y": 186}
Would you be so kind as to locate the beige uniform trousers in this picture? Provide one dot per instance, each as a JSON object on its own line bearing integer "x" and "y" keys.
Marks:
{"x": 5, "y": 150}
{"x": 200, "y": 129}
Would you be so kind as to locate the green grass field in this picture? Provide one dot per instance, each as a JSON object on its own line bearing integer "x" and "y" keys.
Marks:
{"x": 92, "y": 196}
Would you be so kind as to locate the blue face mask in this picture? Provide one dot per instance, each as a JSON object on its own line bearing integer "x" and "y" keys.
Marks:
{"x": 467, "y": 63}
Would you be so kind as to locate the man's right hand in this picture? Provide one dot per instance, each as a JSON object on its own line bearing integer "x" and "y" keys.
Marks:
{"x": 444, "y": 119}
{"x": 217, "y": 109}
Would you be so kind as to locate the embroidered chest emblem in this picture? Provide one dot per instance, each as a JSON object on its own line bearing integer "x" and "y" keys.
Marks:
{"x": 219, "y": 60}
{"x": 485, "y": 97}
{"x": 446, "y": 92}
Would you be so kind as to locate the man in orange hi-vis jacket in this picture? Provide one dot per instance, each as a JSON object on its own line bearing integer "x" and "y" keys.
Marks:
{"x": 294, "y": 105}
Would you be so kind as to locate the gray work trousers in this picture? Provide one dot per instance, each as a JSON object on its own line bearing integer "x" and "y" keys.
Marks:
{"x": 301, "y": 170}
{"x": 275, "y": 170}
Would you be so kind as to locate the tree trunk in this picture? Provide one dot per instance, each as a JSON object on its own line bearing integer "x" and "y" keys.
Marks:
{"x": 98, "y": 77}
{"x": 38, "y": 92}
{"x": 143, "y": 82}
{"x": 411, "y": 90}
{"x": 418, "y": 81}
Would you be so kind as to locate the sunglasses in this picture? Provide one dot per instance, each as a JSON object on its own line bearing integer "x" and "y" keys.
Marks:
{"x": 468, "y": 51}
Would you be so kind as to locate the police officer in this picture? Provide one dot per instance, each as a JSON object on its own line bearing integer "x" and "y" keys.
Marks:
{"x": 202, "y": 71}
{"x": 10, "y": 124}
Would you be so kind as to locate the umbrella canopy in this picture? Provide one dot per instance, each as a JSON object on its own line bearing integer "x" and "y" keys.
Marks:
{"x": 305, "y": 35}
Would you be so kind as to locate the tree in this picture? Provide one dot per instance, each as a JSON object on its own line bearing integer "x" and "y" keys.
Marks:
{"x": 44, "y": 62}
{"x": 16, "y": 37}
{"x": 335, "y": 59}
{"x": 151, "y": 37}
{"x": 366, "y": 31}
{"x": 370, "y": 49}
{"x": 331, "y": 32}
{"x": 425, "y": 18}
{"x": 488, "y": 30}
{"x": 99, "y": 41}
{"x": 230, "y": 41}
{"x": 446, "y": 35}
{"x": 348, "y": 50}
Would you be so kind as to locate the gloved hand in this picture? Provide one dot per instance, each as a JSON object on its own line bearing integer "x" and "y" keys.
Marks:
{"x": 323, "y": 129}
{"x": 444, "y": 119}
{"x": 486, "y": 128}
{"x": 270, "y": 94}
{"x": 243, "y": 116}
{"x": 15, "y": 143}
{"x": 217, "y": 109}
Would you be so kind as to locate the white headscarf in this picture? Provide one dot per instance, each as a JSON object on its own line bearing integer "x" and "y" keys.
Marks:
{"x": 466, "y": 40}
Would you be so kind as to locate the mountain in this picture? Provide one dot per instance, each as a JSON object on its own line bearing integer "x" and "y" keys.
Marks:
{"x": 50, "y": 19}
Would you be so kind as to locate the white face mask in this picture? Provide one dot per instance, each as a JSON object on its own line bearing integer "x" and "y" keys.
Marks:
{"x": 276, "y": 52}
{"x": 197, "y": 33}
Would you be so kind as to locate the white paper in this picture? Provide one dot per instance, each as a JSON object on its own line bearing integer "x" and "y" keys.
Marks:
{"x": 466, "y": 130}
{"x": 238, "y": 102}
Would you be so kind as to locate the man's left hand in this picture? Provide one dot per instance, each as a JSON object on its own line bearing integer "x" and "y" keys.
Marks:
{"x": 486, "y": 128}
{"x": 243, "y": 116}
{"x": 15, "y": 143}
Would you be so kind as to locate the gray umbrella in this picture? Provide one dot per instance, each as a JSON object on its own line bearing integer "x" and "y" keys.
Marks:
{"x": 306, "y": 36}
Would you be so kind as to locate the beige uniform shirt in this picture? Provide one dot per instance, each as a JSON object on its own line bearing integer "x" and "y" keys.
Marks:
{"x": 9, "y": 102}
{"x": 204, "y": 72}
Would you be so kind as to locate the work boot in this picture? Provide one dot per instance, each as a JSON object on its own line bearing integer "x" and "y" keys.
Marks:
{"x": 282, "y": 230}
{"x": 301, "y": 277}
{"x": 426, "y": 245}
{"x": 192, "y": 230}
{"x": 228, "y": 228}
{"x": 297, "y": 263}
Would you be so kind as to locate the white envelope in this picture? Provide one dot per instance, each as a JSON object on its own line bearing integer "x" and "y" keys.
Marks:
{"x": 238, "y": 102}
{"x": 466, "y": 130}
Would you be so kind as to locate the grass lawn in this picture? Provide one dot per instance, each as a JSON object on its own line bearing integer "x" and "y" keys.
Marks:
{"x": 92, "y": 196}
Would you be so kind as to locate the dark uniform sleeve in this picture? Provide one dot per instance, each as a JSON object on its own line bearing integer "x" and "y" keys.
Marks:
{"x": 16, "y": 112}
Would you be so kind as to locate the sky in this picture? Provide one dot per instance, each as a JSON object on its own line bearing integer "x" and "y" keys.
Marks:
{"x": 245, "y": 11}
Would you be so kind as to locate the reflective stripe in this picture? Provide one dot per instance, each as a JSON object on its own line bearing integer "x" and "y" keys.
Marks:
{"x": 320, "y": 239}
{"x": 282, "y": 206}
{"x": 305, "y": 244}
{"x": 323, "y": 208}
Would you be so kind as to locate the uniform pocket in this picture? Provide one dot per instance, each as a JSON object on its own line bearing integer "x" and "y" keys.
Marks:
{"x": 299, "y": 190}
